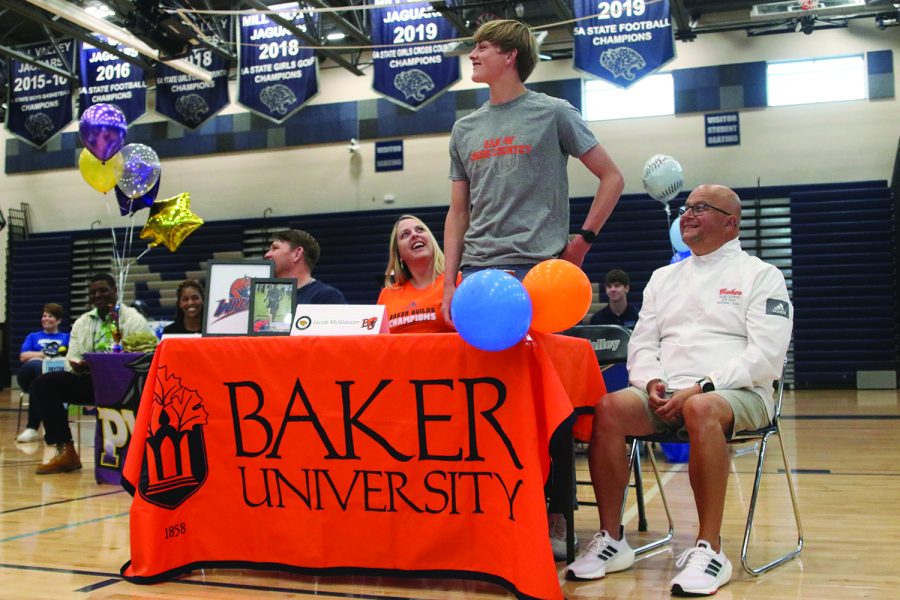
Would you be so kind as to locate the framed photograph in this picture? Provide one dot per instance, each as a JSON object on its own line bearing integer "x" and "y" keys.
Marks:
{"x": 227, "y": 305}
{"x": 272, "y": 303}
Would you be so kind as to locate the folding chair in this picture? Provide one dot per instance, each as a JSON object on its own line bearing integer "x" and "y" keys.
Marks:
{"x": 760, "y": 435}
{"x": 47, "y": 365}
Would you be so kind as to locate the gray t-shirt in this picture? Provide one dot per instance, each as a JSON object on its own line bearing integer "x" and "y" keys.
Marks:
{"x": 514, "y": 157}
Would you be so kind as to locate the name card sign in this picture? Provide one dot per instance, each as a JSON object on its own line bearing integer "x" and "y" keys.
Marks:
{"x": 339, "y": 319}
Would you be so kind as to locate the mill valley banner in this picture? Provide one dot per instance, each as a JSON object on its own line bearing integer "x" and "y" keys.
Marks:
{"x": 406, "y": 455}
{"x": 414, "y": 71}
{"x": 107, "y": 79}
{"x": 622, "y": 41}
{"x": 188, "y": 100}
{"x": 40, "y": 102}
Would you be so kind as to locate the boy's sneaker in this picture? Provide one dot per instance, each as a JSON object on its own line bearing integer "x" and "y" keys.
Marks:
{"x": 603, "y": 555}
{"x": 705, "y": 573}
{"x": 29, "y": 435}
{"x": 558, "y": 535}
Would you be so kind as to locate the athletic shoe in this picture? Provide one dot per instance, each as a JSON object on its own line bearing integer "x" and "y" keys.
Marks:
{"x": 558, "y": 535}
{"x": 29, "y": 435}
{"x": 705, "y": 573}
{"x": 603, "y": 555}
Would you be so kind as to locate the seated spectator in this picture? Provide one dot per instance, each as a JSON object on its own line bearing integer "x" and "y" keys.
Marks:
{"x": 295, "y": 254}
{"x": 94, "y": 331}
{"x": 414, "y": 280}
{"x": 189, "y": 311}
{"x": 50, "y": 342}
{"x": 618, "y": 311}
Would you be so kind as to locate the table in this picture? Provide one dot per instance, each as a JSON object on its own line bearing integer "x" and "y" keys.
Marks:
{"x": 118, "y": 382}
{"x": 402, "y": 455}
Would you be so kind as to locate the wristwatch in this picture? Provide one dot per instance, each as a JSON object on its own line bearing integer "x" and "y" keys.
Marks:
{"x": 589, "y": 236}
{"x": 706, "y": 385}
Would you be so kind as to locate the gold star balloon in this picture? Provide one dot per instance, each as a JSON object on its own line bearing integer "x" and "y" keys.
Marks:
{"x": 170, "y": 222}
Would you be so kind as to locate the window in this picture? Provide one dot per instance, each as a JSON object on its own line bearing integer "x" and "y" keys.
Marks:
{"x": 816, "y": 80}
{"x": 651, "y": 96}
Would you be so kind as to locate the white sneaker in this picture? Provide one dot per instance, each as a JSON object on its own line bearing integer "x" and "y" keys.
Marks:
{"x": 29, "y": 435}
{"x": 705, "y": 573}
{"x": 558, "y": 535}
{"x": 603, "y": 555}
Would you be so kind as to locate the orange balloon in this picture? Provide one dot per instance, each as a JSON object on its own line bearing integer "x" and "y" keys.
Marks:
{"x": 560, "y": 293}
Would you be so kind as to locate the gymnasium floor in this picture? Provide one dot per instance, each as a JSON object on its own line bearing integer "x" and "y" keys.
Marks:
{"x": 64, "y": 536}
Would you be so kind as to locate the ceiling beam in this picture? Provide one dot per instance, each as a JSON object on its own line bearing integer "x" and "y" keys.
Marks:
{"x": 28, "y": 59}
{"x": 682, "y": 19}
{"x": 451, "y": 15}
{"x": 341, "y": 23}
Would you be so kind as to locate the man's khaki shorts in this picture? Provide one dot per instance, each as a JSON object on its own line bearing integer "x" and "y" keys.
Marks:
{"x": 748, "y": 407}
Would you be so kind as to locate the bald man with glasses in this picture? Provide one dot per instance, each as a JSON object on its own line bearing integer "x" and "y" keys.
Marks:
{"x": 712, "y": 335}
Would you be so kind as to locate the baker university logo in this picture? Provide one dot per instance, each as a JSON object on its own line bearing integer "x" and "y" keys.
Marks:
{"x": 175, "y": 463}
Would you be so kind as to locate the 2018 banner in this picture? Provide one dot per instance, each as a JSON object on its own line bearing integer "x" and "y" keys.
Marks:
{"x": 414, "y": 71}
{"x": 106, "y": 78}
{"x": 622, "y": 41}
{"x": 188, "y": 100}
{"x": 40, "y": 101}
{"x": 277, "y": 75}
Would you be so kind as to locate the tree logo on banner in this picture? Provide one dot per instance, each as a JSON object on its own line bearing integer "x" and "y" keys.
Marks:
{"x": 622, "y": 41}
{"x": 175, "y": 462}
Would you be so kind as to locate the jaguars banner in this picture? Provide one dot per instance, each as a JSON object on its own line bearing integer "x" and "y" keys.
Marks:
{"x": 107, "y": 79}
{"x": 276, "y": 74}
{"x": 40, "y": 102}
{"x": 414, "y": 71}
{"x": 188, "y": 100}
{"x": 622, "y": 41}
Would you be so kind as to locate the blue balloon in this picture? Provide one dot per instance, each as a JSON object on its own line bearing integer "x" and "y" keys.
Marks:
{"x": 491, "y": 310}
{"x": 129, "y": 206}
{"x": 679, "y": 256}
{"x": 675, "y": 237}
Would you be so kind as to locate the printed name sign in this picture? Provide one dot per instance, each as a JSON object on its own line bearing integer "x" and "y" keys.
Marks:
{"x": 339, "y": 319}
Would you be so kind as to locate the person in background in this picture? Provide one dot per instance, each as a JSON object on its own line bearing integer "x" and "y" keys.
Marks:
{"x": 414, "y": 279}
{"x": 295, "y": 254}
{"x": 94, "y": 331}
{"x": 618, "y": 311}
{"x": 189, "y": 310}
{"x": 49, "y": 342}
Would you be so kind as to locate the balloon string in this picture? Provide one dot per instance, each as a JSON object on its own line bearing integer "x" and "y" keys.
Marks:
{"x": 669, "y": 226}
{"x": 117, "y": 259}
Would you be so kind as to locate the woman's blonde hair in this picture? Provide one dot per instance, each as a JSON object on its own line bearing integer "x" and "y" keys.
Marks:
{"x": 397, "y": 273}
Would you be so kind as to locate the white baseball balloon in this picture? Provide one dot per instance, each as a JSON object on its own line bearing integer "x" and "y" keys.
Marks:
{"x": 663, "y": 177}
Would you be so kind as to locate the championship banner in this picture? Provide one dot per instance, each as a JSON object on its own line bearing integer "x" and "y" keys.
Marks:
{"x": 107, "y": 79}
{"x": 622, "y": 41}
{"x": 190, "y": 101}
{"x": 40, "y": 102}
{"x": 118, "y": 383}
{"x": 276, "y": 75}
{"x": 296, "y": 453}
{"x": 413, "y": 73}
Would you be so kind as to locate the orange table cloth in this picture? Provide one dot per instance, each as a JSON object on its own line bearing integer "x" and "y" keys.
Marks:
{"x": 412, "y": 455}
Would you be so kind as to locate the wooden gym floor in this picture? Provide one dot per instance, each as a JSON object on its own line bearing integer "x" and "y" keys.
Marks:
{"x": 64, "y": 536}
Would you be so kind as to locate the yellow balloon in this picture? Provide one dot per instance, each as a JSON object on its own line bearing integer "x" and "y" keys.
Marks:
{"x": 170, "y": 221}
{"x": 102, "y": 176}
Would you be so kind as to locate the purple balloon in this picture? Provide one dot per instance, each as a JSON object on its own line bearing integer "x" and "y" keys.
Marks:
{"x": 129, "y": 206}
{"x": 102, "y": 128}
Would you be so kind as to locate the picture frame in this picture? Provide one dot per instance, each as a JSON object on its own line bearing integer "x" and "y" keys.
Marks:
{"x": 272, "y": 304}
{"x": 227, "y": 306}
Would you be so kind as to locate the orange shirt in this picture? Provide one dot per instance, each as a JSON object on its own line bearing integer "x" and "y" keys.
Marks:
{"x": 411, "y": 310}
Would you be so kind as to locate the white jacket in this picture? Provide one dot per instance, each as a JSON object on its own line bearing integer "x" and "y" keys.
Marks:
{"x": 725, "y": 315}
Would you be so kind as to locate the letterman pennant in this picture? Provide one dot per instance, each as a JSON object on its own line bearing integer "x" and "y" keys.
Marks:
{"x": 106, "y": 78}
{"x": 188, "y": 100}
{"x": 352, "y": 439}
{"x": 413, "y": 72}
{"x": 40, "y": 102}
{"x": 277, "y": 76}
{"x": 622, "y": 41}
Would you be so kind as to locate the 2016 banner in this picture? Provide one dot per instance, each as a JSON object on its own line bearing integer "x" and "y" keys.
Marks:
{"x": 277, "y": 75}
{"x": 622, "y": 41}
{"x": 40, "y": 102}
{"x": 106, "y": 78}
{"x": 415, "y": 71}
{"x": 188, "y": 100}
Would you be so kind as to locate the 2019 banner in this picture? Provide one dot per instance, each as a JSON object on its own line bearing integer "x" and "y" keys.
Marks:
{"x": 188, "y": 100}
{"x": 414, "y": 71}
{"x": 622, "y": 41}
{"x": 40, "y": 102}
{"x": 106, "y": 78}
{"x": 277, "y": 75}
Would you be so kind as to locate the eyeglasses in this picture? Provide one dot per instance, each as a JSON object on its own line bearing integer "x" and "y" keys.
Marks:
{"x": 700, "y": 208}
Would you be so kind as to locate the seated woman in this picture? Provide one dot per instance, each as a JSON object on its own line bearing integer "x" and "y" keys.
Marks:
{"x": 189, "y": 311}
{"x": 50, "y": 342}
{"x": 414, "y": 280}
